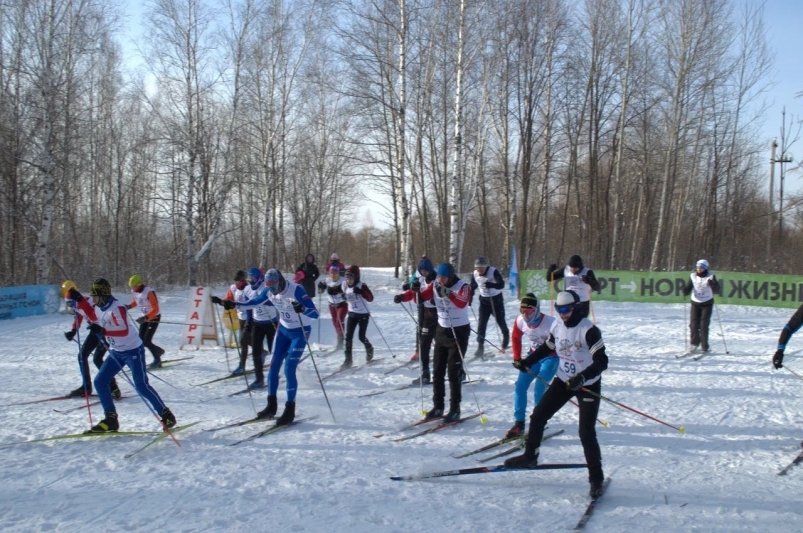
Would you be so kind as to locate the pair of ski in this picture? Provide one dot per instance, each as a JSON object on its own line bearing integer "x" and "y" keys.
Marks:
{"x": 442, "y": 424}
{"x": 88, "y": 435}
{"x": 516, "y": 442}
{"x": 586, "y": 516}
{"x": 162, "y": 435}
{"x": 412, "y": 385}
{"x": 348, "y": 369}
{"x": 693, "y": 355}
{"x": 229, "y": 376}
{"x": 261, "y": 433}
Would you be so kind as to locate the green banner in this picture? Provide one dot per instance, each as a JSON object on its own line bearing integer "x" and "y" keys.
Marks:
{"x": 740, "y": 288}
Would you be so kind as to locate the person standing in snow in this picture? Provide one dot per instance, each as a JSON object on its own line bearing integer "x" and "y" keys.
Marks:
{"x": 296, "y": 312}
{"x": 702, "y": 286}
{"x": 577, "y": 278}
{"x": 488, "y": 282}
{"x": 531, "y": 329}
{"x": 264, "y": 316}
{"x": 334, "y": 260}
{"x": 307, "y": 274}
{"x": 356, "y": 294}
{"x": 145, "y": 299}
{"x": 84, "y": 308}
{"x": 578, "y": 343}
{"x": 427, "y": 317}
{"x": 788, "y": 330}
{"x": 451, "y": 296}
{"x": 125, "y": 348}
{"x": 236, "y": 293}
{"x": 337, "y": 302}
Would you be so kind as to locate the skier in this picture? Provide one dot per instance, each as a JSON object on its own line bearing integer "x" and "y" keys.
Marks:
{"x": 576, "y": 278}
{"x": 307, "y": 274}
{"x": 125, "y": 348}
{"x": 337, "y": 302}
{"x": 578, "y": 343}
{"x": 84, "y": 308}
{"x": 427, "y": 317}
{"x": 533, "y": 327}
{"x": 236, "y": 293}
{"x": 264, "y": 316}
{"x": 296, "y": 311}
{"x": 786, "y": 333}
{"x": 145, "y": 298}
{"x": 488, "y": 281}
{"x": 702, "y": 286}
{"x": 356, "y": 294}
{"x": 450, "y": 295}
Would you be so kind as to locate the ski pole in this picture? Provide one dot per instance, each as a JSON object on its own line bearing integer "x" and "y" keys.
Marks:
{"x": 81, "y": 368}
{"x": 721, "y": 331}
{"x": 681, "y": 429}
{"x": 486, "y": 340}
{"x": 141, "y": 397}
{"x": 797, "y": 375}
{"x": 315, "y": 366}
{"x": 418, "y": 347}
{"x": 223, "y": 334}
{"x": 370, "y": 316}
{"x": 602, "y": 422}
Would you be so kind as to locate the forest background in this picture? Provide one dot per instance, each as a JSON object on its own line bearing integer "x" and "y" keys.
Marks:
{"x": 623, "y": 130}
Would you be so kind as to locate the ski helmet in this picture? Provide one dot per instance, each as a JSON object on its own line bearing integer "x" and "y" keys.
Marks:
{"x": 274, "y": 281}
{"x": 254, "y": 277}
{"x": 100, "y": 291}
{"x": 66, "y": 286}
{"x": 565, "y": 301}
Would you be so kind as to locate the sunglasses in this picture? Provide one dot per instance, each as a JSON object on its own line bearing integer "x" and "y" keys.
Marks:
{"x": 564, "y": 309}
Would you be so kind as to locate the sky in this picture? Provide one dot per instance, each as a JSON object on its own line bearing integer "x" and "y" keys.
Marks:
{"x": 743, "y": 422}
{"x": 784, "y": 23}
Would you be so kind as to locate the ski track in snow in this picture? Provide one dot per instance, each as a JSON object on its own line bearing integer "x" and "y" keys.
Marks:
{"x": 742, "y": 419}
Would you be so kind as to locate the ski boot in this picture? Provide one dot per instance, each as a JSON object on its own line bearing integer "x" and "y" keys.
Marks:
{"x": 108, "y": 425}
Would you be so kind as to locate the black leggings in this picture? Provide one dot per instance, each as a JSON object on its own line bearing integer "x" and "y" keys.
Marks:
{"x": 450, "y": 349}
{"x": 352, "y": 322}
{"x": 555, "y": 397}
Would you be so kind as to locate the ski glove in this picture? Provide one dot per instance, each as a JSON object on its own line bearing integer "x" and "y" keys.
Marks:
{"x": 321, "y": 286}
{"x": 74, "y": 295}
{"x": 228, "y": 304}
{"x": 415, "y": 286}
{"x": 444, "y": 291}
{"x": 97, "y": 329}
{"x": 397, "y": 299}
{"x": 777, "y": 359}
{"x": 553, "y": 267}
{"x": 297, "y": 307}
{"x": 405, "y": 286}
{"x": 70, "y": 335}
{"x": 217, "y": 300}
{"x": 142, "y": 319}
{"x": 575, "y": 383}
{"x": 521, "y": 365}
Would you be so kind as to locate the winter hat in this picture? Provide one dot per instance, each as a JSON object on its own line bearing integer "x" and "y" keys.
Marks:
{"x": 334, "y": 269}
{"x": 334, "y": 257}
{"x": 566, "y": 298}
{"x": 702, "y": 263}
{"x": 529, "y": 300}
{"x": 445, "y": 269}
{"x": 353, "y": 271}
{"x": 255, "y": 277}
{"x": 425, "y": 264}
{"x": 239, "y": 275}
{"x": 576, "y": 261}
{"x": 481, "y": 262}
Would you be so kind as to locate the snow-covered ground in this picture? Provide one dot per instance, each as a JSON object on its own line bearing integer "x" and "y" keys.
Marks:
{"x": 742, "y": 419}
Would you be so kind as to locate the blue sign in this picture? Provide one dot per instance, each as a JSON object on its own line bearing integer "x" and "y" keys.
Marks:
{"x": 27, "y": 300}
